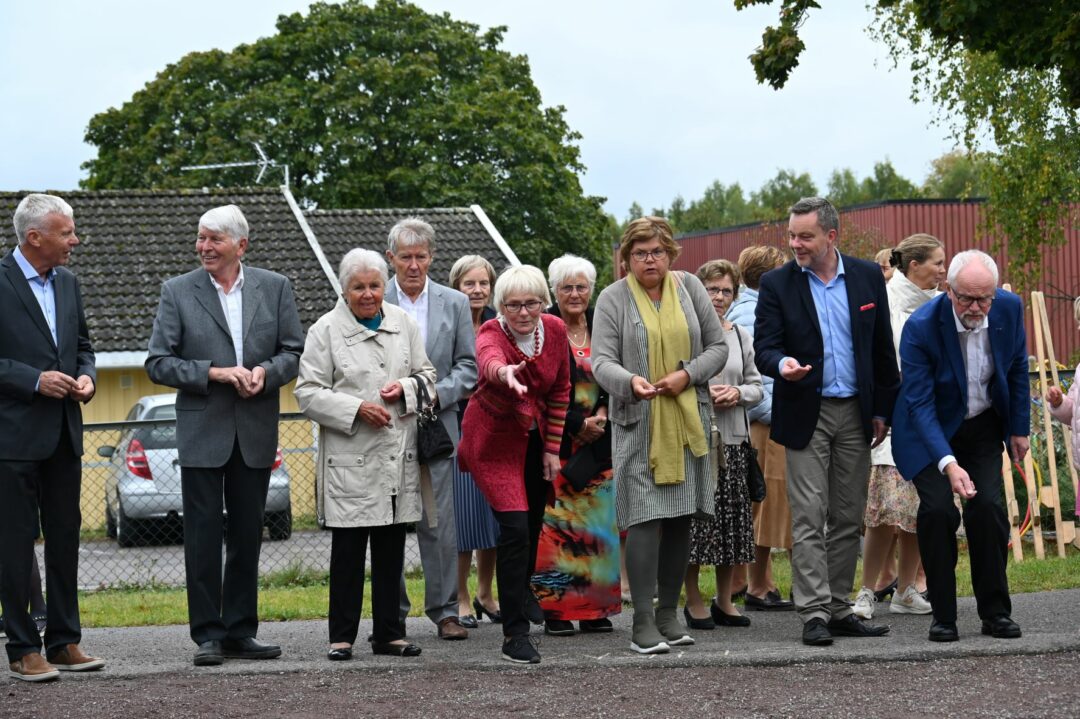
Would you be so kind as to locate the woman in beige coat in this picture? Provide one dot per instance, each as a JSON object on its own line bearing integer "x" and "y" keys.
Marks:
{"x": 359, "y": 379}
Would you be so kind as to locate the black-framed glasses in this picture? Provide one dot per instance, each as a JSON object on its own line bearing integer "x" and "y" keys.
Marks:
{"x": 642, "y": 255}
{"x": 968, "y": 300}
{"x": 512, "y": 308}
{"x": 725, "y": 291}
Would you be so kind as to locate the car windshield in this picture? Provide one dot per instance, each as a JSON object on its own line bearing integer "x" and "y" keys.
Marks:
{"x": 162, "y": 436}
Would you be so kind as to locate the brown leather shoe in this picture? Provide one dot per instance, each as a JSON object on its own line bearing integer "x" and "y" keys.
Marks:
{"x": 32, "y": 667}
{"x": 450, "y": 628}
{"x": 72, "y": 659}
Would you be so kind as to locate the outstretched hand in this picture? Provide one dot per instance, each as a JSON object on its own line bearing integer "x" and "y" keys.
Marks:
{"x": 792, "y": 371}
{"x": 507, "y": 375}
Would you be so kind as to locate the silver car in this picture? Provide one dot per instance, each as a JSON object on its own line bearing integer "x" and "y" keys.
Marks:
{"x": 142, "y": 492}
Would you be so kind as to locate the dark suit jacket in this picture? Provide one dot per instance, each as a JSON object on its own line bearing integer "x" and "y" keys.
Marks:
{"x": 191, "y": 335}
{"x": 933, "y": 396}
{"x": 786, "y": 325}
{"x": 30, "y": 423}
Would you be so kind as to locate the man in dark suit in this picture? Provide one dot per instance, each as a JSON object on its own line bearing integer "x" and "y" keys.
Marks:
{"x": 445, "y": 323}
{"x": 227, "y": 337}
{"x": 822, "y": 332}
{"x": 965, "y": 393}
{"x": 46, "y": 369}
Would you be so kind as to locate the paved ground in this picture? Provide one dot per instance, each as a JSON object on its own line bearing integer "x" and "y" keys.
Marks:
{"x": 759, "y": 671}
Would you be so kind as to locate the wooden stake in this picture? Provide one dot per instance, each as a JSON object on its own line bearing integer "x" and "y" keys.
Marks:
{"x": 1011, "y": 509}
{"x": 1044, "y": 345}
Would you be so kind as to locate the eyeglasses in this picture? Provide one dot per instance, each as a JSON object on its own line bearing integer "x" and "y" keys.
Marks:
{"x": 512, "y": 308}
{"x": 571, "y": 289}
{"x": 725, "y": 291}
{"x": 642, "y": 255}
{"x": 968, "y": 300}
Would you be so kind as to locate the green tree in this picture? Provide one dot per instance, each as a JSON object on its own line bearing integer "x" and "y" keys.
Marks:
{"x": 781, "y": 192}
{"x": 370, "y": 106}
{"x": 957, "y": 175}
{"x": 887, "y": 184}
{"x": 720, "y": 206}
{"x": 845, "y": 190}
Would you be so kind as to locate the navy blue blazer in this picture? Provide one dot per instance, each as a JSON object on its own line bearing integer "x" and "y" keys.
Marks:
{"x": 933, "y": 396}
{"x": 786, "y": 325}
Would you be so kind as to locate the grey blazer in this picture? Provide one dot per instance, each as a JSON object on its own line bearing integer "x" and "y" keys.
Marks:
{"x": 191, "y": 335}
{"x": 617, "y": 356}
{"x": 451, "y": 347}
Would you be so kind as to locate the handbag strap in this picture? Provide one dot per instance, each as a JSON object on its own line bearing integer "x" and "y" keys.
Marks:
{"x": 742, "y": 355}
{"x": 422, "y": 397}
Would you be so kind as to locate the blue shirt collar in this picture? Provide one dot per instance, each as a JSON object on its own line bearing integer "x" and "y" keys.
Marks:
{"x": 28, "y": 269}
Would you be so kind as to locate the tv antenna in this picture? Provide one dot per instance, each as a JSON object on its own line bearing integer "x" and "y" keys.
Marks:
{"x": 263, "y": 163}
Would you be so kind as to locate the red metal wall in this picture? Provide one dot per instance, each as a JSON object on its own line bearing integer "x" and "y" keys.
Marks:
{"x": 885, "y": 224}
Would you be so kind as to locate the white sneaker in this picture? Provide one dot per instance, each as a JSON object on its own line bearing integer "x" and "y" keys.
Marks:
{"x": 909, "y": 601}
{"x": 864, "y": 603}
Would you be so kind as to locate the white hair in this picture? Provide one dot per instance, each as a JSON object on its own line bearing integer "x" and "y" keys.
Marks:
{"x": 410, "y": 232}
{"x": 962, "y": 259}
{"x": 361, "y": 260}
{"x": 520, "y": 280}
{"x": 563, "y": 268}
{"x": 228, "y": 220}
{"x": 33, "y": 209}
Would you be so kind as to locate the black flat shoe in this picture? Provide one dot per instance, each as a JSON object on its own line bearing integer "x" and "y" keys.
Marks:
{"x": 723, "y": 619}
{"x": 595, "y": 626}
{"x": 772, "y": 602}
{"x": 558, "y": 627}
{"x": 692, "y": 622}
{"x": 882, "y": 594}
{"x": 736, "y": 596}
{"x": 943, "y": 632}
{"x": 395, "y": 650}
{"x": 249, "y": 648}
{"x": 852, "y": 626}
{"x": 340, "y": 654}
{"x": 468, "y": 621}
{"x": 481, "y": 610}
{"x": 1001, "y": 627}
{"x": 816, "y": 634}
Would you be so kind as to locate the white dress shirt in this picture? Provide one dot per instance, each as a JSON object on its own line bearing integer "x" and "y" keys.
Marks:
{"x": 979, "y": 368}
{"x": 418, "y": 310}
{"x": 232, "y": 304}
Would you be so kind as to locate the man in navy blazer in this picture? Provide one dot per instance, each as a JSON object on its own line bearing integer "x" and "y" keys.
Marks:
{"x": 965, "y": 393}
{"x": 46, "y": 370}
{"x": 822, "y": 331}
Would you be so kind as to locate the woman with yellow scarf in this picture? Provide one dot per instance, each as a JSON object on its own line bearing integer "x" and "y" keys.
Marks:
{"x": 656, "y": 343}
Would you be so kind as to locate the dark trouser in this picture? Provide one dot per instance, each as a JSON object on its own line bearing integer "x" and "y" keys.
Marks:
{"x": 51, "y": 487}
{"x": 519, "y": 535}
{"x": 347, "y": 553}
{"x": 978, "y": 451}
{"x": 226, "y": 609}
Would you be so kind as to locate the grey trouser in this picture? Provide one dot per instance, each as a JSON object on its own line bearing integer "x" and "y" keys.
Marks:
{"x": 438, "y": 548}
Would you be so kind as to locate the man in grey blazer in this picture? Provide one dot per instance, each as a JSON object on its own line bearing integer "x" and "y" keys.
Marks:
{"x": 227, "y": 337}
{"x": 445, "y": 323}
{"x": 46, "y": 370}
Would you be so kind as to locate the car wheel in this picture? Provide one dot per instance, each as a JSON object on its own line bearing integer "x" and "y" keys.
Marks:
{"x": 110, "y": 522}
{"x": 128, "y": 531}
{"x": 279, "y": 524}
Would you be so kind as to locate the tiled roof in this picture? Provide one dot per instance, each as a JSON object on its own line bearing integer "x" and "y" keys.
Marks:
{"x": 457, "y": 232}
{"x": 132, "y": 240}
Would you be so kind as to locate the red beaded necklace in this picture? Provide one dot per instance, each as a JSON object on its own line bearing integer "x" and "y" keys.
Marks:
{"x": 536, "y": 344}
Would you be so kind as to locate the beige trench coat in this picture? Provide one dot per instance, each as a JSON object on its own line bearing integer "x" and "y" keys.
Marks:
{"x": 359, "y": 469}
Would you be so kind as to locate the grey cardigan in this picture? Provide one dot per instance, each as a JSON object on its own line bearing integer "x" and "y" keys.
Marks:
{"x": 616, "y": 357}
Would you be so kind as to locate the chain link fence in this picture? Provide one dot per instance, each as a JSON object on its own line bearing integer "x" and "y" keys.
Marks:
{"x": 132, "y": 530}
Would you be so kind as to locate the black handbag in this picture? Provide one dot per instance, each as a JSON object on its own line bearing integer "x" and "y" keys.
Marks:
{"x": 755, "y": 478}
{"x": 432, "y": 440}
{"x": 589, "y": 461}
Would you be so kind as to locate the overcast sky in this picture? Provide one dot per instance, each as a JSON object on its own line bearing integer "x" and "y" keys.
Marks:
{"x": 662, "y": 92}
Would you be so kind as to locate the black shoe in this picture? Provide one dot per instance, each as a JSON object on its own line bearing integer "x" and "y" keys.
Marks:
{"x": 468, "y": 621}
{"x": 1001, "y": 627}
{"x": 558, "y": 627}
{"x": 520, "y": 649}
{"x": 694, "y": 623}
{"x": 772, "y": 602}
{"x": 533, "y": 612}
{"x": 595, "y": 626}
{"x": 852, "y": 626}
{"x": 209, "y": 654}
{"x": 816, "y": 634}
{"x": 882, "y": 594}
{"x": 943, "y": 632}
{"x": 736, "y": 596}
{"x": 340, "y": 654}
{"x": 249, "y": 648}
{"x": 395, "y": 650}
{"x": 722, "y": 619}
{"x": 481, "y": 610}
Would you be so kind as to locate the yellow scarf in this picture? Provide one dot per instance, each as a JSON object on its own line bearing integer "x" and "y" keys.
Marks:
{"x": 674, "y": 422}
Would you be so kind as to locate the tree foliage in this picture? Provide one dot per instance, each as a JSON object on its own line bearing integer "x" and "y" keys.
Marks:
{"x": 844, "y": 189}
{"x": 958, "y": 175}
{"x": 369, "y": 106}
{"x": 781, "y": 192}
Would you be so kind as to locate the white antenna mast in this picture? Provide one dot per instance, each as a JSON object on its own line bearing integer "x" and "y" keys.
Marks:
{"x": 263, "y": 163}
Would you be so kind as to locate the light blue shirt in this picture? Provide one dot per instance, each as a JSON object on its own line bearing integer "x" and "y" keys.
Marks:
{"x": 834, "y": 318}
{"x": 44, "y": 289}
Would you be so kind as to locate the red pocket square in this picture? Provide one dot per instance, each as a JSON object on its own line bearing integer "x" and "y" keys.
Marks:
{"x": 870, "y": 306}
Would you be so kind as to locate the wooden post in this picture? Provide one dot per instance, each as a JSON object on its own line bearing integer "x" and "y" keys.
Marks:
{"x": 1029, "y": 465}
{"x": 1011, "y": 509}
{"x": 1045, "y": 341}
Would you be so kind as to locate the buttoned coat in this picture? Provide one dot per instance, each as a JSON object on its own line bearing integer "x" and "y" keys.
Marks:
{"x": 191, "y": 335}
{"x": 359, "y": 468}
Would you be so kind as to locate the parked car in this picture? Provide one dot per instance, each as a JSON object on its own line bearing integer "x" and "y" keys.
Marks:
{"x": 142, "y": 492}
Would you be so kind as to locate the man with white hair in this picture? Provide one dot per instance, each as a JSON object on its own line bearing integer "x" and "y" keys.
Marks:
{"x": 445, "y": 323}
{"x": 964, "y": 395}
{"x": 227, "y": 337}
{"x": 46, "y": 370}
